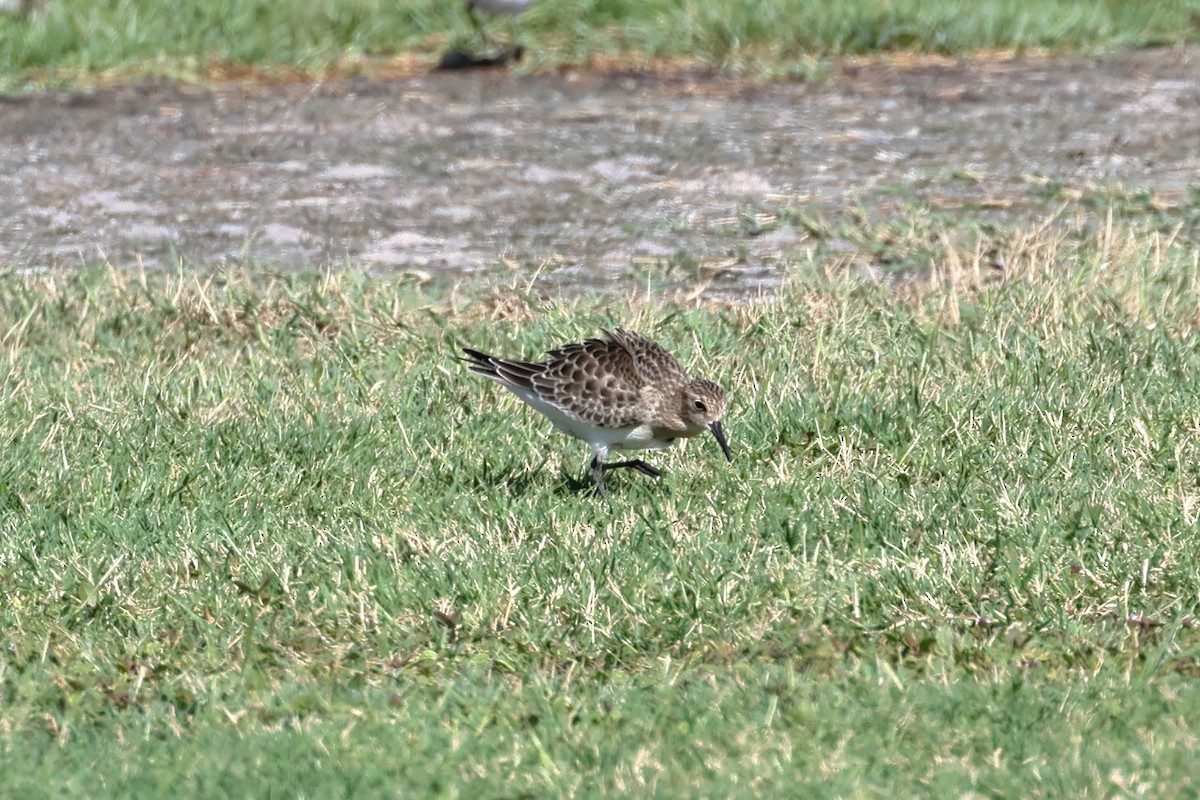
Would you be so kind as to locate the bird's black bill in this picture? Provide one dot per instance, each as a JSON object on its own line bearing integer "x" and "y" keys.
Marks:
{"x": 718, "y": 432}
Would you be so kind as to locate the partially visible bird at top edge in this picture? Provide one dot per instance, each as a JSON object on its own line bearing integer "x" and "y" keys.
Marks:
{"x": 499, "y": 55}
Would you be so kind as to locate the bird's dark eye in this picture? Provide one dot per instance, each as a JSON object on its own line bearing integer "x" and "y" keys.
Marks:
{"x": 699, "y": 405}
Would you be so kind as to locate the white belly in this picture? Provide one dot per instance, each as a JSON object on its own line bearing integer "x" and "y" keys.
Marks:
{"x": 633, "y": 437}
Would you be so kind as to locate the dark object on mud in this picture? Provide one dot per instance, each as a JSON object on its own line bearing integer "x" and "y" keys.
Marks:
{"x": 458, "y": 59}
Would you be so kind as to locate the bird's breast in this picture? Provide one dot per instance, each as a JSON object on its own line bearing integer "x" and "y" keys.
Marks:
{"x": 641, "y": 437}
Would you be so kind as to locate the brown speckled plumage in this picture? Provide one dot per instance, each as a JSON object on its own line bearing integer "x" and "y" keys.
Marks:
{"x": 621, "y": 392}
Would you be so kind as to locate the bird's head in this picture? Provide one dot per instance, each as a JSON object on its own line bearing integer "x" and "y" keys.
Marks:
{"x": 704, "y": 404}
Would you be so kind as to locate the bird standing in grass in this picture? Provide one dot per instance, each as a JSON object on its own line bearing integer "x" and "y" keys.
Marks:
{"x": 511, "y": 8}
{"x": 458, "y": 59}
{"x": 622, "y": 392}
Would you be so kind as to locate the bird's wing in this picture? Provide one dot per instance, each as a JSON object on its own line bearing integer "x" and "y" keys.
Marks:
{"x": 514, "y": 374}
{"x": 654, "y": 364}
{"x": 596, "y": 380}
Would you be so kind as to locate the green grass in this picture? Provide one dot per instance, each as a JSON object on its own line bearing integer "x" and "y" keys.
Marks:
{"x": 76, "y": 40}
{"x": 270, "y": 537}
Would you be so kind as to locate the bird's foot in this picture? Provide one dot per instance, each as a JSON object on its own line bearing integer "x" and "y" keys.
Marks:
{"x": 636, "y": 463}
{"x": 598, "y": 468}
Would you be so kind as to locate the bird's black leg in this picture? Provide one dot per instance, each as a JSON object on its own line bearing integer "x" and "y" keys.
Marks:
{"x": 598, "y": 474}
{"x": 598, "y": 469}
{"x": 638, "y": 464}
{"x": 478, "y": 23}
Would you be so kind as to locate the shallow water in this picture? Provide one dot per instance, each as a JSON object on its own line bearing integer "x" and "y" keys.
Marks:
{"x": 581, "y": 177}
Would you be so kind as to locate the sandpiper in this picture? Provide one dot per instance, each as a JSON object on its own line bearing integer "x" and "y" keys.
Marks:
{"x": 512, "y": 8}
{"x": 622, "y": 392}
{"x": 458, "y": 58}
